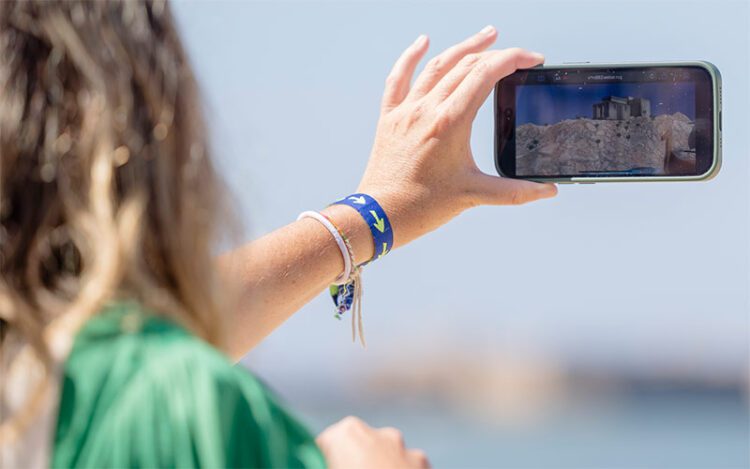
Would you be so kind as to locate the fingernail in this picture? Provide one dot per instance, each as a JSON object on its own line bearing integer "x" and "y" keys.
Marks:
{"x": 487, "y": 30}
{"x": 538, "y": 55}
{"x": 420, "y": 40}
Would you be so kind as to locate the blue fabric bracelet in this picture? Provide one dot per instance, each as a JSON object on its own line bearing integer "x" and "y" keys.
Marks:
{"x": 376, "y": 219}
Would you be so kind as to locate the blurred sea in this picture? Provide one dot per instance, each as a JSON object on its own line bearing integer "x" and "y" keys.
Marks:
{"x": 469, "y": 410}
{"x": 652, "y": 429}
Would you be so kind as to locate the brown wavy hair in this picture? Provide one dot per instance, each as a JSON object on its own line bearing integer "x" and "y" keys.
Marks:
{"x": 107, "y": 189}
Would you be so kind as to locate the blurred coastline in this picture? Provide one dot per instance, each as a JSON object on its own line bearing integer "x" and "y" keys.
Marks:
{"x": 507, "y": 388}
{"x": 517, "y": 411}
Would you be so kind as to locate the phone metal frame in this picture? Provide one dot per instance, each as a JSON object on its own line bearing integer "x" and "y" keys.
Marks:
{"x": 712, "y": 171}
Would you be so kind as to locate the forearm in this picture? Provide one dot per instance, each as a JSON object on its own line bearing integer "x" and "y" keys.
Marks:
{"x": 276, "y": 275}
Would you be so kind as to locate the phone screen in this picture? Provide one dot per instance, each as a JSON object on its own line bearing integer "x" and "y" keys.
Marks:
{"x": 610, "y": 122}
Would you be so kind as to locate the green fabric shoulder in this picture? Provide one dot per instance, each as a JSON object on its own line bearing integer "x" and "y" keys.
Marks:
{"x": 140, "y": 391}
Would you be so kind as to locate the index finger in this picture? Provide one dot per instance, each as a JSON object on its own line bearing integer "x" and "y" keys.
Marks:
{"x": 473, "y": 90}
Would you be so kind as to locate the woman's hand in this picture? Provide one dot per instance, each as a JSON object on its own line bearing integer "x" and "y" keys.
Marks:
{"x": 352, "y": 443}
{"x": 421, "y": 169}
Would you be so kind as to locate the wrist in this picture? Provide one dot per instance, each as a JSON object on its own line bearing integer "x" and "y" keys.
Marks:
{"x": 416, "y": 211}
{"x": 399, "y": 206}
{"x": 355, "y": 229}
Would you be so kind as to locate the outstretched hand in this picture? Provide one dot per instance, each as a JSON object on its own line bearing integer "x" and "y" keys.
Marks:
{"x": 421, "y": 169}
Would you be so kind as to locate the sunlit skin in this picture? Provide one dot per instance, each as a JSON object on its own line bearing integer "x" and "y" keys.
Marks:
{"x": 422, "y": 172}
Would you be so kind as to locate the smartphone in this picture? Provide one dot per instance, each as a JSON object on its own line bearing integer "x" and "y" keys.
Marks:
{"x": 591, "y": 123}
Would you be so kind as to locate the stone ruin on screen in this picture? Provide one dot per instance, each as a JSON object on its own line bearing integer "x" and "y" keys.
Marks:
{"x": 617, "y": 108}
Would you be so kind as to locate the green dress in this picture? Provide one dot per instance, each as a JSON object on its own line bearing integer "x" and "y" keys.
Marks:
{"x": 140, "y": 391}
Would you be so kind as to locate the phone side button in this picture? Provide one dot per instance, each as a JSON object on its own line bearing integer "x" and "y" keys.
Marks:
{"x": 719, "y": 121}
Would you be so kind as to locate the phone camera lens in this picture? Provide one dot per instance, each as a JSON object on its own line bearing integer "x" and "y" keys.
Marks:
{"x": 508, "y": 112}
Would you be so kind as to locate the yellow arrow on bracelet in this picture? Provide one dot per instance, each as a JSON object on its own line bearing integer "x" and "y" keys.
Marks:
{"x": 385, "y": 250}
{"x": 379, "y": 222}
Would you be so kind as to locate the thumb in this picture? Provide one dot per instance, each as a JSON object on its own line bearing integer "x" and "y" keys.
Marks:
{"x": 496, "y": 190}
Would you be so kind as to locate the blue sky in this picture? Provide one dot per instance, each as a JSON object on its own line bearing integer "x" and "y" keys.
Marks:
{"x": 549, "y": 104}
{"x": 624, "y": 276}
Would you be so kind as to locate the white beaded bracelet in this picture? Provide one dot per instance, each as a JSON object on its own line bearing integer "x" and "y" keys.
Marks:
{"x": 344, "y": 277}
